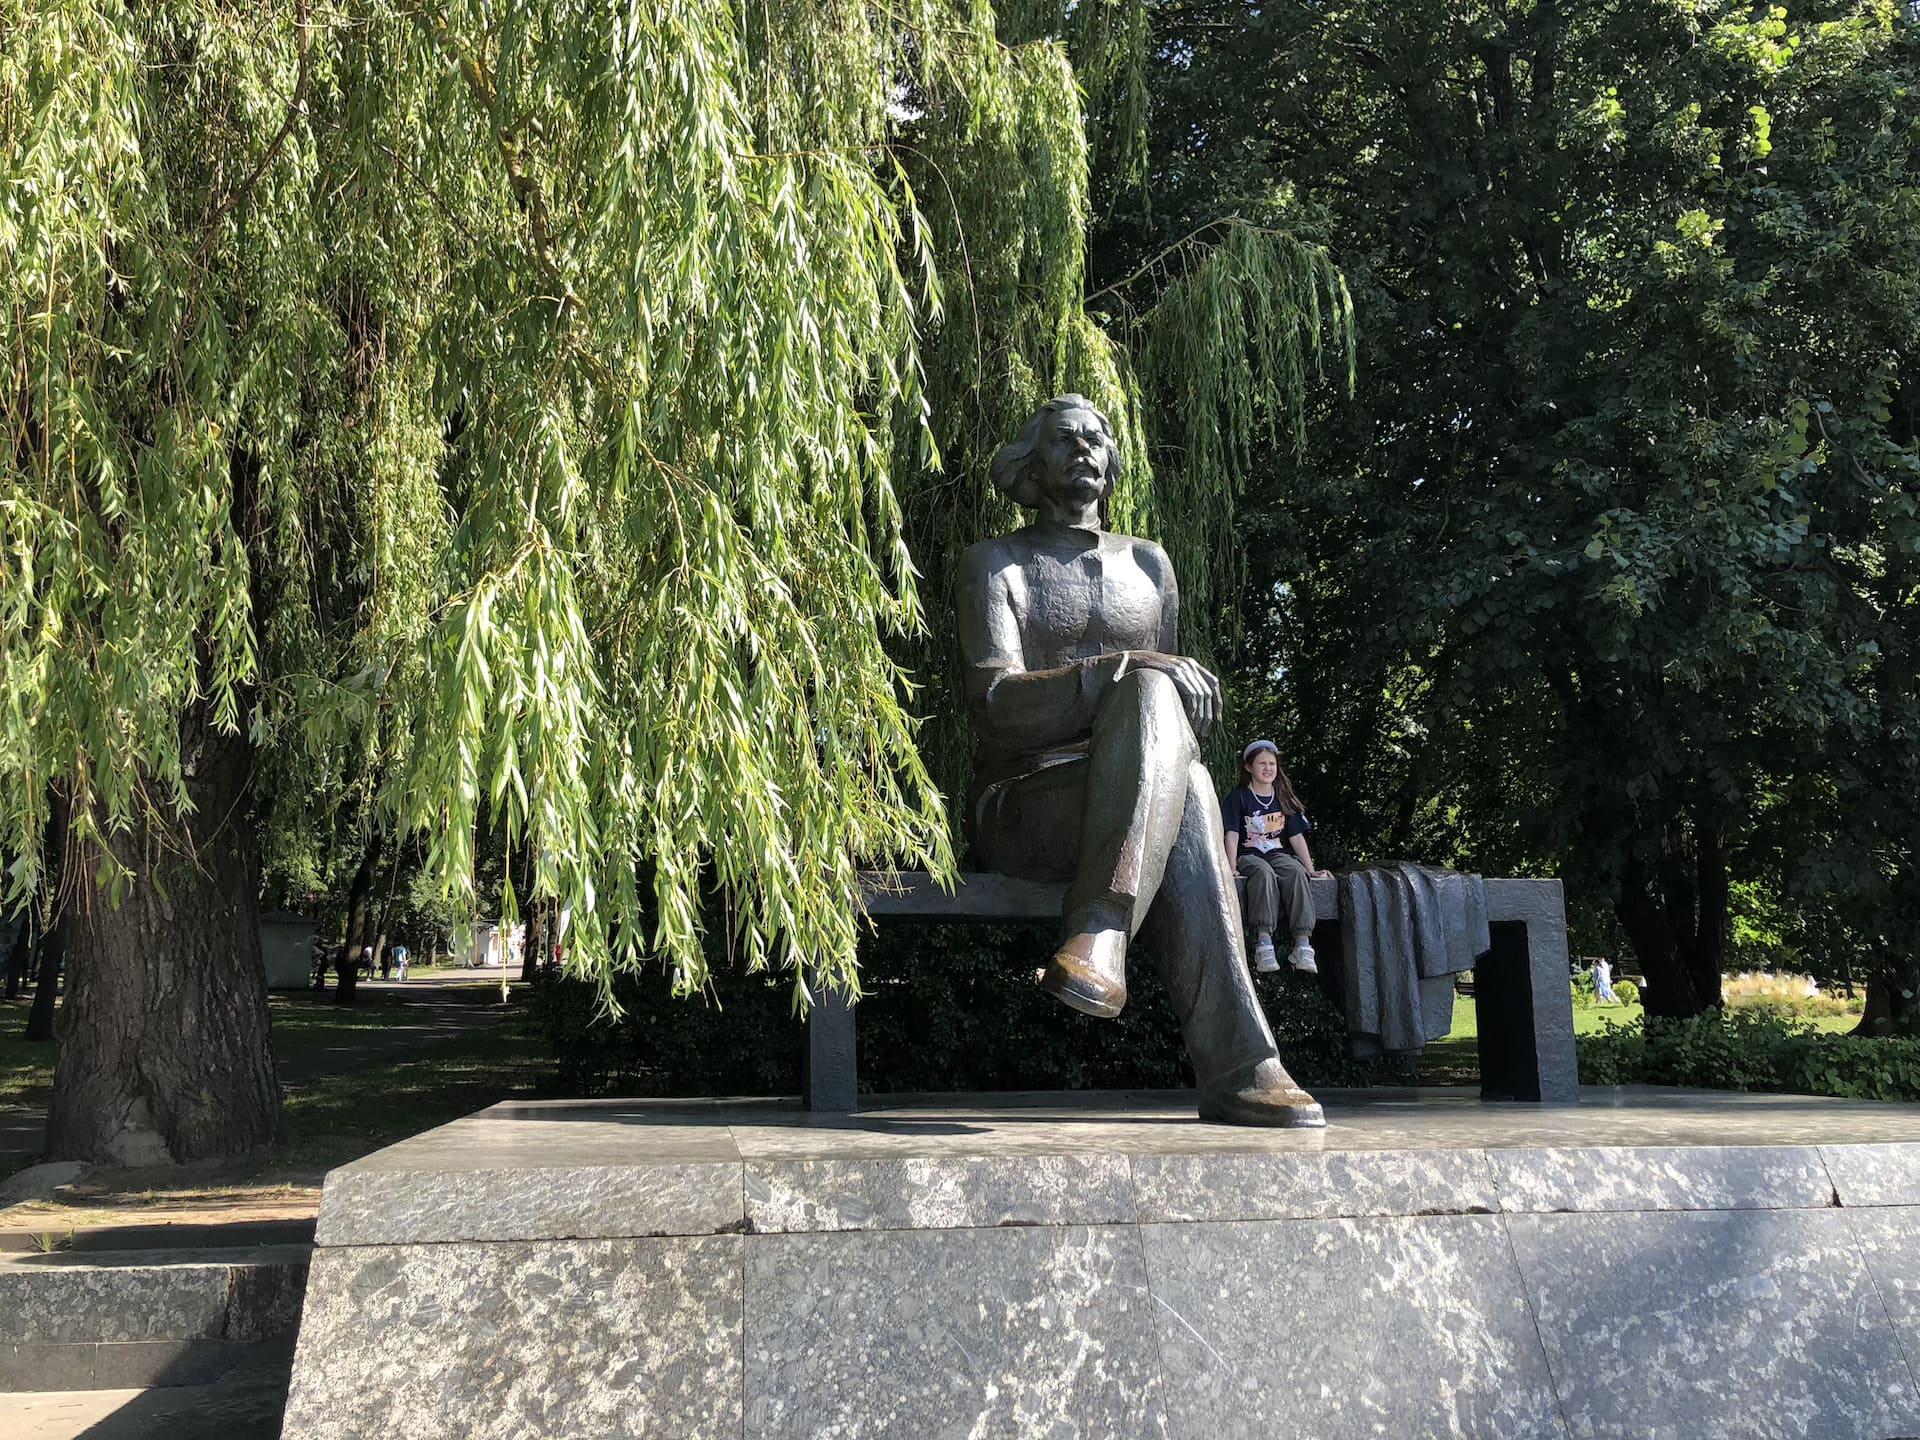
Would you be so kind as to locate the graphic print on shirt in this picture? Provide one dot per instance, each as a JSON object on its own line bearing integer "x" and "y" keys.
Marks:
{"x": 1265, "y": 832}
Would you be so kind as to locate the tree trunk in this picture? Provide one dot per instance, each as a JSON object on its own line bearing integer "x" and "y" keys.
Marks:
{"x": 1893, "y": 1002}
{"x": 1675, "y": 916}
{"x": 20, "y": 956}
{"x": 533, "y": 963}
{"x": 50, "y": 921}
{"x": 165, "y": 1052}
{"x": 360, "y": 920}
{"x": 1712, "y": 893}
{"x": 1669, "y": 993}
{"x": 51, "y": 948}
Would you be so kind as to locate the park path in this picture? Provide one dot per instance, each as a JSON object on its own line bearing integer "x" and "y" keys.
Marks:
{"x": 440, "y": 1017}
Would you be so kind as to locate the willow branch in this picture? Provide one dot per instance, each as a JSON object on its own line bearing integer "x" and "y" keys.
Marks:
{"x": 1226, "y": 222}
{"x": 303, "y": 45}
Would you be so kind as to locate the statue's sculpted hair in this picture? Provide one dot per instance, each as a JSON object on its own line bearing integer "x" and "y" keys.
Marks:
{"x": 1016, "y": 466}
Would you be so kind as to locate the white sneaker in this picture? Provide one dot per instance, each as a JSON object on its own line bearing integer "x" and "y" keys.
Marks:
{"x": 1264, "y": 958}
{"x": 1302, "y": 959}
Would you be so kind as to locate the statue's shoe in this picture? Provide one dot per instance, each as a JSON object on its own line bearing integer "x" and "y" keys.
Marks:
{"x": 1089, "y": 973}
{"x": 1272, "y": 1099}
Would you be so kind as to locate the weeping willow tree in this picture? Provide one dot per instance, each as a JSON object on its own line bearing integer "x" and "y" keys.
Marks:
{"x": 1200, "y": 358}
{"x": 531, "y": 414}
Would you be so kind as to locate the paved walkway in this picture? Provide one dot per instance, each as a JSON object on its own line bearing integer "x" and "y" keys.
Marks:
{"x": 240, "y": 1405}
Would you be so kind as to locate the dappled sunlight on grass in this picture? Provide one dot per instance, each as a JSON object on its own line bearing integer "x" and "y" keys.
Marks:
{"x": 26, "y": 1068}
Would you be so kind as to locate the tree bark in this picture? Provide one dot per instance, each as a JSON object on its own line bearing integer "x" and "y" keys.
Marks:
{"x": 20, "y": 956}
{"x": 1712, "y": 893}
{"x": 50, "y": 949}
{"x": 50, "y": 921}
{"x": 165, "y": 1053}
{"x": 1678, "y": 927}
{"x": 360, "y": 920}
{"x": 1668, "y": 993}
{"x": 1893, "y": 1002}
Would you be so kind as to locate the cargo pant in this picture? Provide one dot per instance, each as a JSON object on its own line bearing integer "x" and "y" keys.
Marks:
{"x": 1278, "y": 890}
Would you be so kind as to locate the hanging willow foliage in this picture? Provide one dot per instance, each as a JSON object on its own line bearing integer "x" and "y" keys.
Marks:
{"x": 1211, "y": 349}
{"x": 531, "y": 408}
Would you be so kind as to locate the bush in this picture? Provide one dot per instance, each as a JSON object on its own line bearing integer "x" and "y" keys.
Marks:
{"x": 1584, "y": 996}
{"x": 1751, "y": 1048}
{"x": 947, "y": 1008}
{"x": 1627, "y": 992}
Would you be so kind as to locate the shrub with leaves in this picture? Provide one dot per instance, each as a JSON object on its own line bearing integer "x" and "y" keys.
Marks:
{"x": 1751, "y": 1049}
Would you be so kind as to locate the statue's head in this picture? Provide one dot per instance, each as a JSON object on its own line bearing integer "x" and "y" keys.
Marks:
{"x": 1065, "y": 454}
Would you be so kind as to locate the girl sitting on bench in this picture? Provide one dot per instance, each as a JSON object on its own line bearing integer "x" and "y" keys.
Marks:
{"x": 1267, "y": 831}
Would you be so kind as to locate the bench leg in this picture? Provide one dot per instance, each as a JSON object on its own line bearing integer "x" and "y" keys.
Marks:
{"x": 1525, "y": 1006}
{"x": 828, "y": 1075}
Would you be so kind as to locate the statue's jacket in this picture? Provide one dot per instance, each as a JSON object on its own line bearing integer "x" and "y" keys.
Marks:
{"x": 1034, "y": 606}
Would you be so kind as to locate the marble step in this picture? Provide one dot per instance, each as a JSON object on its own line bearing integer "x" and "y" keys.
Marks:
{"x": 1648, "y": 1264}
{"x": 131, "y": 1319}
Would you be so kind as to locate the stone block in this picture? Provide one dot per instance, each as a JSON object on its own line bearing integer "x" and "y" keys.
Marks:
{"x": 556, "y": 1202}
{"x": 1889, "y": 1242}
{"x": 1343, "y": 1329}
{"x": 921, "y": 1335}
{"x": 937, "y": 1192}
{"x": 565, "y": 1339}
{"x": 263, "y": 1301}
{"x": 150, "y": 1364}
{"x": 1874, "y": 1174}
{"x": 45, "y": 1367}
{"x": 1729, "y": 1325}
{"x": 1525, "y": 1008}
{"x": 109, "y": 1296}
{"x": 1690, "y": 1177}
{"x": 1306, "y": 1185}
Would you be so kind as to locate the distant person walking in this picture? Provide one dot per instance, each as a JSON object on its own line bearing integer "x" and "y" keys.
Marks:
{"x": 400, "y": 962}
{"x": 1267, "y": 831}
{"x": 1603, "y": 983}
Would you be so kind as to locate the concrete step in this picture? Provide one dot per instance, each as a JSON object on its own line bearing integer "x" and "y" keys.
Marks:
{"x": 167, "y": 1235}
{"x": 133, "y": 1319}
{"x": 243, "y": 1404}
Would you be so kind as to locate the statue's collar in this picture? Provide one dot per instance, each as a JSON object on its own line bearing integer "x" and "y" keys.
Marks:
{"x": 1079, "y": 536}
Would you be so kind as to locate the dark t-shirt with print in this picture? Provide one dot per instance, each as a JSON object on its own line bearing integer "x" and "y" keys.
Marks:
{"x": 1261, "y": 824}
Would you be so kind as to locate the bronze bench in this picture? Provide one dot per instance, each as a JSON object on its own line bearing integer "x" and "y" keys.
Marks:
{"x": 1521, "y": 987}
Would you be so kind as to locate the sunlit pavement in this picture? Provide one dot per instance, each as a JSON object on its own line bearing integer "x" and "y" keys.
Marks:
{"x": 241, "y": 1405}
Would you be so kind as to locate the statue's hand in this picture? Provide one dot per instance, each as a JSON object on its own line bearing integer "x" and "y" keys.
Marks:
{"x": 1199, "y": 689}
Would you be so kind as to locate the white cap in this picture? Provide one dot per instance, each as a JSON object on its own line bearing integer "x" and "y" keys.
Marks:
{"x": 1256, "y": 747}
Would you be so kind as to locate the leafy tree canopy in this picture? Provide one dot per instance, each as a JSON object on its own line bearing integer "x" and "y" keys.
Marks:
{"x": 1611, "y": 562}
{"x": 516, "y": 415}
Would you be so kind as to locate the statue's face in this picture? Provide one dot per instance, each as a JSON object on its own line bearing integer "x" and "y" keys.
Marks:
{"x": 1073, "y": 454}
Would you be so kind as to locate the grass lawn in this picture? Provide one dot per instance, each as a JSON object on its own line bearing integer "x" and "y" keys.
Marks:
{"x": 1456, "y": 1059}
{"x": 301, "y": 1023}
{"x": 304, "y": 1021}
{"x": 328, "y": 1121}
{"x": 26, "y": 1071}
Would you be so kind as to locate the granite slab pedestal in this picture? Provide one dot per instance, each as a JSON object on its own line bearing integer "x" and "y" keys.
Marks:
{"x": 1650, "y": 1264}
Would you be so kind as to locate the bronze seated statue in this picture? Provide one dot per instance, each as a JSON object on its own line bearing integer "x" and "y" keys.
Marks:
{"x": 1088, "y": 764}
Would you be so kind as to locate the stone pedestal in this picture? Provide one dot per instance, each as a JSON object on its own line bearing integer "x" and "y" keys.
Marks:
{"x": 1651, "y": 1263}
